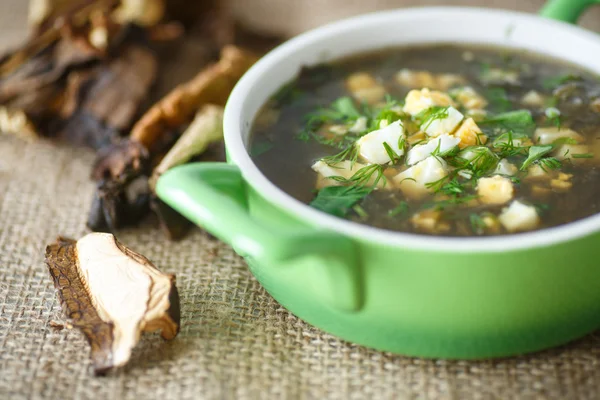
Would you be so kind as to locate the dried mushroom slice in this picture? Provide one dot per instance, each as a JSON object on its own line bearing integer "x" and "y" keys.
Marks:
{"x": 211, "y": 86}
{"x": 112, "y": 294}
{"x": 206, "y": 128}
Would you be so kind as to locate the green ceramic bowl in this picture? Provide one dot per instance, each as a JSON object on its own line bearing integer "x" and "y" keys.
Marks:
{"x": 409, "y": 294}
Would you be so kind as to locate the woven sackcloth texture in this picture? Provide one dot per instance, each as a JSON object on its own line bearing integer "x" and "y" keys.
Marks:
{"x": 235, "y": 342}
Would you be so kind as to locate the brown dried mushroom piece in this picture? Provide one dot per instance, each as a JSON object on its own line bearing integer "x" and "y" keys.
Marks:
{"x": 206, "y": 128}
{"x": 122, "y": 196}
{"x": 112, "y": 294}
{"x": 119, "y": 200}
{"x": 211, "y": 86}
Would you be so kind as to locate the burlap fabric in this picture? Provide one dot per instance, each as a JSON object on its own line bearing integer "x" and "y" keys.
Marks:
{"x": 235, "y": 342}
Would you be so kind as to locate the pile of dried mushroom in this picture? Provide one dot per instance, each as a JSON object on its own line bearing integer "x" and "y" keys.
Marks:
{"x": 87, "y": 73}
{"x": 143, "y": 83}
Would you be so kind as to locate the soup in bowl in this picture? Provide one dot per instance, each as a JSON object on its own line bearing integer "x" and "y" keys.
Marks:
{"x": 441, "y": 140}
{"x": 334, "y": 140}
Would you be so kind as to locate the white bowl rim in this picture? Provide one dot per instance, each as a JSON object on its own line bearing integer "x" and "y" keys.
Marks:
{"x": 239, "y": 156}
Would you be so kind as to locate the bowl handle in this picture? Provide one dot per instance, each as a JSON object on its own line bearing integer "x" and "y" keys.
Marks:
{"x": 213, "y": 195}
{"x": 566, "y": 10}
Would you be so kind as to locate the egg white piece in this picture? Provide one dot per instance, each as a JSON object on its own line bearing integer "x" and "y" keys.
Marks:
{"x": 446, "y": 125}
{"x": 370, "y": 146}
{"x": 548, "y": 135}
{"x": 519, "y": 217}
{"x": 505, "y": 167}
{"x": 413, "y": 182}
{"x": 422, "y": 151}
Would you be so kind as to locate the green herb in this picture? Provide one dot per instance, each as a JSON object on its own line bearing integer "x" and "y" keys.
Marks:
{"x": 477, "y": 224}
{"x": 564, "y": 140}
{"x": 364, "y": 176}
{"x": 541, "y": 208}
{"x": 583, "y": 155}
{"x": 345, "y": 107}
{"x": 484, "y": 70}
{"x": 520, "y": 122}
{"x": 506, "y": 146}
{"x": 426, "y": 117}
{"x": 453, "y": 188}
{"x": 536, "y": 153}
{"x": 338, "y": 200}
{"x": 498, "y": 99}
{"x": 553, "y": 115}
{"x": 287, "y": 94}
{"x": 399, "y": 209}
{"x": 260, "y": 148}
{"x": 394, "y": 158}
{"x": 549, "y": 163}
{"x": 556, "y": 81}
{"x": 436, "y": 186}
{"x": 341, "y": 110}
{"x": 480, "y": 159}
{"x": 450, "y": 202}
{"x": 350, "y": 153}
{"x": 360, "y": 211}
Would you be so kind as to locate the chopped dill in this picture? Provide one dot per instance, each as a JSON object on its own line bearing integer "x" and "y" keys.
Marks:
{"x": 583, "y": 155}
{"x": 360, "y": 211}
{"x": 400, "y": 209}
{"x": 506, "y": 147}
{"x": 369, "y": 175}
{"x": 549, "y": 163}
{"x": 428, "y": 116}
{"x": 394, "y": 158}
{"x": 477, "y": 224}
{"x": 350, "y": 153}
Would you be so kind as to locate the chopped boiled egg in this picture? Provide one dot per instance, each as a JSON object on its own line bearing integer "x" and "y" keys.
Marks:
{"x": 495, "y": 190}
{"x": 430, "y": 221}
{"x": 413, "y": 182}
{"x": 416, "y": 79}
{"x": 469, "y": 134}
{"x": 536, "y": 172}
{"x": 532, "y": 99}
{"x": 519, "y": 217}
{"x": 571, "y": 152}
{"x": 497, "y": 75}
{"x": 549, "y": 134}
{"x": 360, "y": 125}
{"x": 420, "y": 100}
{"x": 371, "y": 146}
{"x": 424, "y": 79}
{"x": 439, "y": 144}
{"x": 365, "y": 87}
{"x": 343, "y": 169}
{"x": 445, "y": 125}
{"x": 505, "y": 167}
{"x": 469, "y": 98}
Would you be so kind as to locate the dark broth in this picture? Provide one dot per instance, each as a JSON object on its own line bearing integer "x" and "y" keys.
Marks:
{"x": 285, "y": 148}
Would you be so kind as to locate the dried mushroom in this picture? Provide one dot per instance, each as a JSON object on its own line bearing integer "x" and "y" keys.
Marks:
{"x": 75, "y": 85}
{"x": 206, "y": 128}
{"x": 112, "y": 294}
{"x": 122, "y": 195}
{"x": 211, "y": 86}
{"x": 122, "y": 169}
